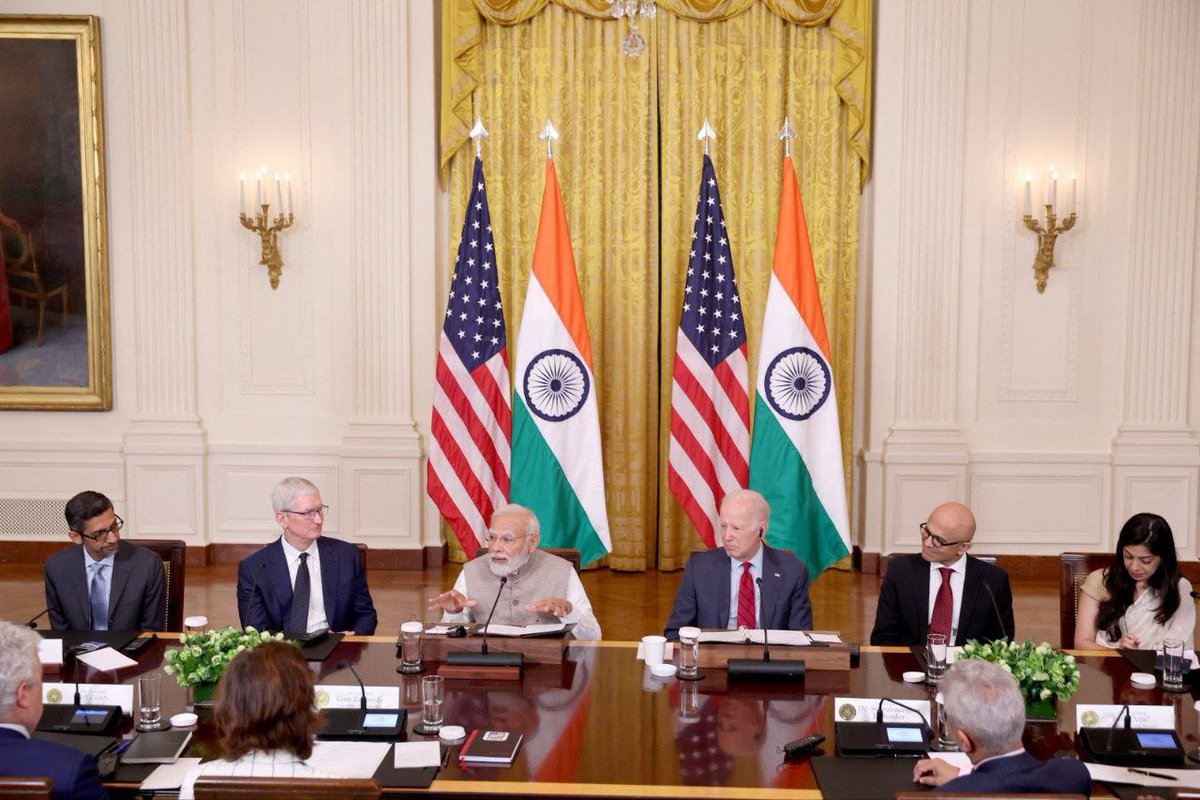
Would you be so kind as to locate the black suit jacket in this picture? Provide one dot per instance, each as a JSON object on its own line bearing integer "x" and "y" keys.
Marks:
{"x": 73, "y": 771}
{"x": 902, "y": 617}
{"x": 264, "y": 589}
{"x": 1024, "y": 773}
{"x": 135, "y": 590}
{"x": 703, "y": 596}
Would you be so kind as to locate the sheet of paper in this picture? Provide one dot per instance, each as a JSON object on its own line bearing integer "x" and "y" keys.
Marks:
{"x": 90, "y": 694}
{"x": 50, "y": 651}
{"x": 1180, "y": 778}
{"x": 331, "y": 695}
{"x": 724, "y": 637}
{"x": 417, "y": 754}
{"x": 106, "y": 660}
{"x": 828, "y": 638}
{"x": 516, "y": 630}
{"x": 959, "y": 760}
{"x": 1097, "y": 715}
{"x": 169, "y": 776}
{"x": 864, "y": 709}
{"x": 787, "y": 638}
{"x": 439, "y": 630}
{"x": 348, "y": 759}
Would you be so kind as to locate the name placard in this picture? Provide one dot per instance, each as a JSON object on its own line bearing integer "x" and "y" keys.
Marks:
{"x": 50, "y": 652}
{"x": 1097, "y": 715}
{"x": 90, "y": 694}
{"x": 343, "y": 696}
{"x": 864, "y": 709}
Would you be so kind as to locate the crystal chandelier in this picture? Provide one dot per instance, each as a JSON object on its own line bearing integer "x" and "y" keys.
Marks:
{"x": 633, "y": 44}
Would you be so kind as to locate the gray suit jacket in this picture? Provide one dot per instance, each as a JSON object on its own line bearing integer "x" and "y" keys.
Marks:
{"x": 135, "y": 594}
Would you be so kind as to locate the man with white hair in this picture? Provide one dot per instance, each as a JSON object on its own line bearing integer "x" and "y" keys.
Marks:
{"x": 985, "y": 713}
{"x": 744, "y": 582}
{"x": 540, "y": 587}
{"x": 72, "y": 771}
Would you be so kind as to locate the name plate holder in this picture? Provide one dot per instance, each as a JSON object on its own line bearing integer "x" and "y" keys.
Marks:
{"x": 816, "y": 657}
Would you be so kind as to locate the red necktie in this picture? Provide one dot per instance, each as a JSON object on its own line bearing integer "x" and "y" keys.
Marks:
{"x": 746, "y": 599}
{"x": 943, "y": 606}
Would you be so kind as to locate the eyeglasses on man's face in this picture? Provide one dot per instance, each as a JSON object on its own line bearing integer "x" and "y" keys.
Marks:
{"x": 311, "y": 514}
{"x": 114, "y": 529}
{"x": 506, "y": 539}
{"x": 933, "y": 537}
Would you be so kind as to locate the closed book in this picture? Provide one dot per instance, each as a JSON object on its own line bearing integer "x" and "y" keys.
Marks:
{"x": 490, "y": 747}
{"x": 157, "y": 747}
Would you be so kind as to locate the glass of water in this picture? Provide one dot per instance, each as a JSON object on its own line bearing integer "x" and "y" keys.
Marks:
{"x": 689, "y": 654}
{"x": 149, "y": 702}
{"x": 410, "y": 647}
{"x": 1172, "y": 665}
{"x": 433, "y": 703}
{"x": 935, "y": 657}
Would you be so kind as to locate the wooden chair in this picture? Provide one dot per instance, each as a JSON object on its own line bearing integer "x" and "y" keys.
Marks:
{"x": 936, "y": 795}
{"x": 15, "y": 787}
{"x": 26, "y": 280}
{"x": 224, "y": 787}
{"x": 173, "y": 553}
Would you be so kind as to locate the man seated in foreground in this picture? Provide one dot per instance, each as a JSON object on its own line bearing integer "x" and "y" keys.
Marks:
{"x": 73, "y": 771}
{"x": 744, "y": 583}
{"x": 985, "y": 713}
{"x": 540, "y": 587}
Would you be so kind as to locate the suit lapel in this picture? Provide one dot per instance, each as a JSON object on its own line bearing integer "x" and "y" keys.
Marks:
{"x": 920, "y": 589}
{"x": 277, "y": 576}
{"x": 78, "y": 599}
{"x": 329, "y": 568}
{"x": 769, "y": 597}
{"x": 122, "y": 565}
{"x": 723, "y": 563}
{"x": 970, "y": 594}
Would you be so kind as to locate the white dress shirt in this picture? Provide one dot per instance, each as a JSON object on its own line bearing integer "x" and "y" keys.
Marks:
{"x": 586, "y": 624}
{"x": 735, "y": 587}
{"x": 12, "y": 726}
{"x": 255, "y": 764}
{"x": 316, "y": 597}
{"x": 956, "y": 589}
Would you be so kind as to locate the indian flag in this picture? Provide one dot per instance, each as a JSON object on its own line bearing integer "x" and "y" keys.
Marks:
{"x": 557, "y": 469}
{"x": 796, "y": 450}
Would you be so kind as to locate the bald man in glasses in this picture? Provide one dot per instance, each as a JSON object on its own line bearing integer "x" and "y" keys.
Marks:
{"x": 942, "y": 589}
{"x": 103, "y": 583}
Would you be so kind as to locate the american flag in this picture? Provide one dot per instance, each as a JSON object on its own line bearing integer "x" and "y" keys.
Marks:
{"x": 468, "y": 472}
{"x": 710, "y": 401}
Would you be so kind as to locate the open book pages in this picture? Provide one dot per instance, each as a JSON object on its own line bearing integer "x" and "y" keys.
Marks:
{"x": 755, "y": 636}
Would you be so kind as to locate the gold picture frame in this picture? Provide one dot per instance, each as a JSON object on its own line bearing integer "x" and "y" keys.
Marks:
{"x": 55, "y": 329}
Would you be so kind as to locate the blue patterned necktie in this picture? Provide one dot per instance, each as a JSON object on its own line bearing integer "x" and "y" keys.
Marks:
{"x": 98, "y": 596}
{"x": 298, "y": 617}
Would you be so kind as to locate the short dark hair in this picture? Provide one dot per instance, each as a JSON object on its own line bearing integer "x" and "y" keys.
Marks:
{"x": 265, "y": 701}
{"x": 84, "y": 506}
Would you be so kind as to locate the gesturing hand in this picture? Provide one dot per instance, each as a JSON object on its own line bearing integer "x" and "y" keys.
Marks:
{"x": 452, "y": 601}
{"x": 558, "y": 606}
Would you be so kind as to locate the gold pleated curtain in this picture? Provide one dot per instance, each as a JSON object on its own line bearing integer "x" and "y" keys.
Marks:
{"x": 629, "y": 164}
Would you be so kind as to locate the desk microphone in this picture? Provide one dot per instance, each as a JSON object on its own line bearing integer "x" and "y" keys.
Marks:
{"x": 764, "y": 668}
{"x": 254, "y": 588}
{"x": 1195, "y": 595}
{"x": 33, "y": 622}
{"x": 906, "y": 707}
{"x": 362, "y": 703}
{"x": 762, "y": 612}
{"x": 996, "y": 608}
{"x": 76, "y": 717}
{"x": 483, "y": 658}
{"x": 486, "y": 625}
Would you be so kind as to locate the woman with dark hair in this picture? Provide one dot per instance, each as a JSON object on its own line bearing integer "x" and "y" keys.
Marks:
{"x": 1141, "y": 599}
{"x": 265, "y": 716}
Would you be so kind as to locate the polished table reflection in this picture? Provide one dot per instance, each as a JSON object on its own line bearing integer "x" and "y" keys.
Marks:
{"x": 600, "y": 724}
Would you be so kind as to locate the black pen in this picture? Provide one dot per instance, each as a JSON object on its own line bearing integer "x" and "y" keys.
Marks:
{"x": 1152, "y": 774}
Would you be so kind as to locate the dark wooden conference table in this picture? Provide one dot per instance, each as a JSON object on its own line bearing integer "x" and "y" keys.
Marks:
{"x": 601, "y": 725}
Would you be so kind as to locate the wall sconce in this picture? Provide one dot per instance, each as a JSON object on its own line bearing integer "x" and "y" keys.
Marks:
{"x": 262, "y": 224}
{"x": 1047, "y": 232}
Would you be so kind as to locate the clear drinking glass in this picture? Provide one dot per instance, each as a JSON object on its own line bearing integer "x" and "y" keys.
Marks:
{"x": 935, "y": 657}
{"x": 689, "y": 654}
{"x": 945, "y": 741}
{"x": 433, "y": 702}
{"x": 410, "y": 647}
{"x": 1172, "y": 665}
{"x": 689, "y": 703}
{"x": 149, "y": 702}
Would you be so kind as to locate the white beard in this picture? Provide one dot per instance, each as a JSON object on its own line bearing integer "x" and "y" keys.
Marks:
{"x": 514, "y": 564}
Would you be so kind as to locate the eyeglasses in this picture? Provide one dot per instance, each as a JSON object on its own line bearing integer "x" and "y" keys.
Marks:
{"x": 937, "y": 540}
{"x": 507, "y": 539}
{"x": 311, "y": 514}
{"x": 115, "y": 528}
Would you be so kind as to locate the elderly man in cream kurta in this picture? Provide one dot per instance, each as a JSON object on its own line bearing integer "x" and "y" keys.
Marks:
{"x": 541, "y": 588}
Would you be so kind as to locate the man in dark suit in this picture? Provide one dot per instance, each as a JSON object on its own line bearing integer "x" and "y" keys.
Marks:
{"x": 73, "y": 771}
{"x": 942, "y": 589}
{"x": 985, "y": 713}
{"x": 721, "y": 587}
{"x": 304, "y": 582}
{"x": 103, "y": 583}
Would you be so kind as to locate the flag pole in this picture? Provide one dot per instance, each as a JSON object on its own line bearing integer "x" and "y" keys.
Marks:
{"x": 478, "y": 133}
{"x": 706, "y": 135}
{"x": 549, "y": 134}
{"x": 787, "y": 134}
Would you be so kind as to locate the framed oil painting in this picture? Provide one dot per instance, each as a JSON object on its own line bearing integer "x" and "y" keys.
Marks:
{"x": 55, "y": 350}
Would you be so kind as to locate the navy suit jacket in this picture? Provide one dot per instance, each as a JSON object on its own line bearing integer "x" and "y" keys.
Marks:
{"x": 703, "y": 596}
{"x": 1024, "y": 773}
{"x": 348, "y": 604}
{"x": 135, "y": 591}
{"x": 73, "y": 771}
{"x": 902, "y": 617}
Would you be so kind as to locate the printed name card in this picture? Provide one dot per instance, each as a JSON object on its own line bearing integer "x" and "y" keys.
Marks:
{"x": 90, "y": 694}
{"x": 1095, "y": 715}
{"x": 50, "y": 652}
{"x": 864, "y": 709}
{"x": 342, "y": 696}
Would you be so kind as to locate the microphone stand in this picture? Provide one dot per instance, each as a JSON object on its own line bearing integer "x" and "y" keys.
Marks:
{"x": 483, "y": 658}
{"x": 765, "y": 668}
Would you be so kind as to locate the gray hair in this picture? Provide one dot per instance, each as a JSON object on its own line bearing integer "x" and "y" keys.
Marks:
{"x": 983, "y": 700}
{"x": 288, "y": 490}
{"x": 762, "y": 509}
{"x": 18, "y": 663}
{"x": 533, "y": 528}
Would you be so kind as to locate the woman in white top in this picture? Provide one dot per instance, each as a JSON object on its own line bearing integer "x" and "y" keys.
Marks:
{"x": 265, "y": 718}
{"x": 1141, "y": 599}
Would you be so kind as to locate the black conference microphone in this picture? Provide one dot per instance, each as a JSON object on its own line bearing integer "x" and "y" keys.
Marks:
{"x": 1195, "y": 595}
{"x": 764, "y": 668}
{"x": 254, "y": 588}
{"x": 908, "y": 708}
{"x": 762, "y": 611}
{"x": 76, "y": 717}
{"x": 33, "y": 622}
{"x": 362, "y": 703}
{"x": 996, "y": 608}
{"x": 483, "y": 658}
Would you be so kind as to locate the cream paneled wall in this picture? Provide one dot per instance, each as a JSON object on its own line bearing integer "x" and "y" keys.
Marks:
{"x": 1058, "y": 415}
{"x": 223, "y": 385}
